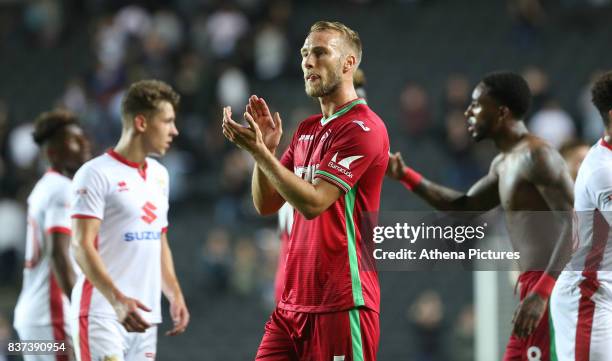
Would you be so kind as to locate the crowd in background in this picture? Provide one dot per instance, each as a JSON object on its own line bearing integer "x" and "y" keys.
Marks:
{"x": 216, "y": 53}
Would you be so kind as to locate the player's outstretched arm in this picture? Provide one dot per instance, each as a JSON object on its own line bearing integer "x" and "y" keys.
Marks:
{"x": 482, "y": 196}
{"x": 172, "y": 291}
{"x": 556, "y": 188}
{"x": 309, "y": 199}
{"x": 88, "y": 258}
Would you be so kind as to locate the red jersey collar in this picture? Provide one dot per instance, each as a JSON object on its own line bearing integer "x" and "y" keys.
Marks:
{"x": 142, "y": 168}
{"x": 605, "y": 144}
{"x": 339, "y": 107}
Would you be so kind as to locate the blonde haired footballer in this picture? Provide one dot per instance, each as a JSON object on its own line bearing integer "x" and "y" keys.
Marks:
{"x": 332, "y": 175}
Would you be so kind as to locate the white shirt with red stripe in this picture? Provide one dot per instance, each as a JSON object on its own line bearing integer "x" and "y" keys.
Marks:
{"x": 132, "y": 204}
{"x": 41, "y": 302}
{"x": 592, "y": 257}
{"x": 581, "y": 302}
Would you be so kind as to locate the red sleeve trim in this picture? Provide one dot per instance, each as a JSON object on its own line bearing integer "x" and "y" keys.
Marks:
{"x": 165, "y": 230}
{"x": 62, "y": 230}
{"x": 84, "y": 216}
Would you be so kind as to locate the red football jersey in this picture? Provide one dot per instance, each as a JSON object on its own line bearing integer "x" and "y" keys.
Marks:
{"x": 328, "y": 266}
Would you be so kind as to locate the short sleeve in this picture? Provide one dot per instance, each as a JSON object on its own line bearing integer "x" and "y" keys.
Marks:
{"x": 57, "y": 213}
{"x": 89, "y": 196}
{"x": 600, "y": 187}
{"x": 165, "y": 182}
{"x": 349, "y": 156}
{"x": 166, "y": 192}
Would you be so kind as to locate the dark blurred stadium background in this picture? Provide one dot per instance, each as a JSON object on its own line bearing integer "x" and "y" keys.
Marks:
{"x": 421, "y": 59}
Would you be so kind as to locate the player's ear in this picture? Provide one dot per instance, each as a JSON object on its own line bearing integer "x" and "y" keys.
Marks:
{"x": 349, "y": 63}
{"x": 504, "y": 112}
{"x": 140, "y": 123}
{"x": 609, "y": 116}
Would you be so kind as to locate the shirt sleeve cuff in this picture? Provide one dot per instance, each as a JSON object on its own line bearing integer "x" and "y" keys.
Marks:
{"x": 333, "y": 180}
{"x": 59, "y": 229}
{"x": 85, "y": 216}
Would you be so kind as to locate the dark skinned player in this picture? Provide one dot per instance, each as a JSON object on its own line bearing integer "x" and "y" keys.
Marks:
{"x": 527, "y": 176}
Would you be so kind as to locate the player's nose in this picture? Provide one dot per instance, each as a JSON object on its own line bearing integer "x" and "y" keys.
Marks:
{"x": 307, "y": 62}
{"x": 468, "y": 111}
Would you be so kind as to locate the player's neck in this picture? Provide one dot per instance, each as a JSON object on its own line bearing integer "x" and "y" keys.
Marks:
{"x": 61, "y": 170}
{"x": 512, "y": 134}
{"x": 341, "y": 96}
{"x": 131, "y": 149}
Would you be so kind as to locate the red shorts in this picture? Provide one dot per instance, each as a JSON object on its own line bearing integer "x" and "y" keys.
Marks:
{"x": 336, "y": 336}
{"x": 537, "y": 345}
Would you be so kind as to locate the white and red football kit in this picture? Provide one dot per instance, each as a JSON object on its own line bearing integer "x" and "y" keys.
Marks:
{"x": 581, "y": 302}
{"x": 132, "y": 204}
{"x": 40, "y": 313}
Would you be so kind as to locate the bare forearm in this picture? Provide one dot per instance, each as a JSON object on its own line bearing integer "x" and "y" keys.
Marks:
{"x": 170, "y": 285}
{"x": 563, "y": 249}
{"x": 301, "y": 194}
{"x": 440, "y": 197}
{"x": 265, "y": 197}
{"x": 94, "y": 269}
{"x": 62, "y": 270}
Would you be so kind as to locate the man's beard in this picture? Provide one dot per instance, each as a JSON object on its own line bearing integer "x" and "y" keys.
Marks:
{"x": 324, "y": 88}
{"x": 480, "y": 133}
{"x": 478, "y": 137}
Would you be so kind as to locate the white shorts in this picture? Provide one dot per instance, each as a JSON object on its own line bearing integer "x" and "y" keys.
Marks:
{"x": 105, "y": 339}
{"x": 581, "y": 312}
{"x": 47, "y": 333}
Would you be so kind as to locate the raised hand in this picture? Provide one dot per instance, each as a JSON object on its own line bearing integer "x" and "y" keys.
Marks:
{"x": 271, "y": 126}
{"x": 248, "y": 137}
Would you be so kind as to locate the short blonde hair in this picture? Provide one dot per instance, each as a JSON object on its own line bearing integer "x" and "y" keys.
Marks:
{"x": 349, "y": 34}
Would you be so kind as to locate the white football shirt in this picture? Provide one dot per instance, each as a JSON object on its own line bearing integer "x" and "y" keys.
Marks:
{"x": 41, "y": 301}
{"x": 592, "y": 257}
{"x": 133, "y": 207}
